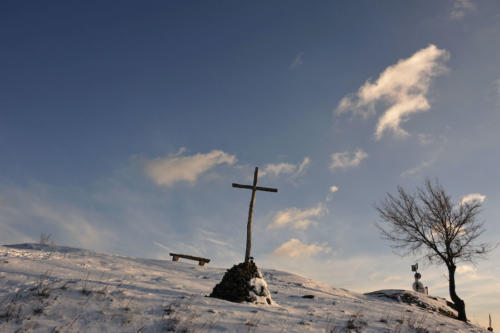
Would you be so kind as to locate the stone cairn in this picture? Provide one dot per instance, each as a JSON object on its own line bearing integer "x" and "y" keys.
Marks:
{"x": 243, "y": 283}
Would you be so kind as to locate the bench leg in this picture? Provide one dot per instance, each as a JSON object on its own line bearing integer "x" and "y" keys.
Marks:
{"x": 201, "y": 263}
{"x": 175, "y": 258}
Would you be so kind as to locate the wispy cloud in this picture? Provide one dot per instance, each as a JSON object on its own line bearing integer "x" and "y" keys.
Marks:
{"x": 199, "y": 242}
{"x": 461, "y": 8}
{"x": 213, "y": 238}
{"x": 472, "y": 197}
{"x": 295, "y": 170}
{"x": 175, "y": 168}
{"x": 303, "y": 166}
{"x": 77, "y": 226}
{"x": 347, "y": 159}
{"x": 392, "y": 278}
{"x": 329, "y": 196}
{"x": 160, "y": 245}
{"x": 438, "y": 146}
{"x": 425, "y": 139}
{"x": 297, "y": 61}
{"x": 25, "y": 212}
{"x": 417, "y": 169}
{"x": 402, "y": 86}
{"x": 294, "y": 248}
{"x": 297, "y": 218}
{"x": 496, "y": 85}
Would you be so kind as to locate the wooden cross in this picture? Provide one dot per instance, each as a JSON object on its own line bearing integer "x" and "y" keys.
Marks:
{"x": 254, "y": 188}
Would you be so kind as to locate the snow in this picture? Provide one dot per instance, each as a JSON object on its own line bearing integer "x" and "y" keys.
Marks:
{"x": 259, "y": 290}
{"x": 61, "y": 289}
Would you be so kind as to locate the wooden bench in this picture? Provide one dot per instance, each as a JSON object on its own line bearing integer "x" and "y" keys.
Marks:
{"x": 201, "y": 261}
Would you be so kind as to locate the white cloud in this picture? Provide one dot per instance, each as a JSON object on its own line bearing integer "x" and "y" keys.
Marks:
{"x": 295, "y": 248}
{"x": 286, "y": 168}
{"x": 297, "y": 218}
{"x": 460, "y": 8}
{"x": 303, "y": 224}
{"x": 277, "y": 169}
{"x": 472, "y": 197}
{"x": 403, "y": 87}
{"x": 175, "y": 168}
{"x": 297, "y": 61}
{"x": 466, "y": 269}
{"x": 347, "y": 159}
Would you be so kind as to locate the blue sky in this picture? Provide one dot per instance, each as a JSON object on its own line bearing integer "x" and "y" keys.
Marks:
{"x": 123, "y": 125}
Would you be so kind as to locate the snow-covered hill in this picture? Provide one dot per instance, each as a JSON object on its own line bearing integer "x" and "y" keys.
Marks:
{"x": 60, "y": 289}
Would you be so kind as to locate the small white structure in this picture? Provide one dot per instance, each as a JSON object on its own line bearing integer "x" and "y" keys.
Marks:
{"x": 417, "y": 285}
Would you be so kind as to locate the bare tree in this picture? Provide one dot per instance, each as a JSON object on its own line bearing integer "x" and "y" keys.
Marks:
{"x": 430, "y": 223}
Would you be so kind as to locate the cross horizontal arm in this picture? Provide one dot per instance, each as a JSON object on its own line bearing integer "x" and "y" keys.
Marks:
{"x": 267, "y": 189}
{"x": 258, "y": 188}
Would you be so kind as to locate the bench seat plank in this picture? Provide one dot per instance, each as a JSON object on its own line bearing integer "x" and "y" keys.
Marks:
{"x": 201, "y": 261}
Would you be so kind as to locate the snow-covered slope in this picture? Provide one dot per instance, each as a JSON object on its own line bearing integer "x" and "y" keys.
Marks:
{"x": 60, "y": 289}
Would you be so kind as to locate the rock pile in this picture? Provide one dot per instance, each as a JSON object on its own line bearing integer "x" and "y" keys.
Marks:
{"x": 243, "y": 283}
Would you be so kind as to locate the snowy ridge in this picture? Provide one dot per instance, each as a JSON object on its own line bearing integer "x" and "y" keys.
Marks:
{"x": 431, "y": 303}
{"x": 60, "y": 289}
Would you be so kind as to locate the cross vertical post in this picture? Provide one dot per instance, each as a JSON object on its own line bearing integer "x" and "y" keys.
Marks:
{"x": 254, "y": 189}
{"x": 250, "y": 215}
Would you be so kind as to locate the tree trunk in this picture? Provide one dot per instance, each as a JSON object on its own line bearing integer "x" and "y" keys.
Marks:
{"x": 459, "y": 303}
